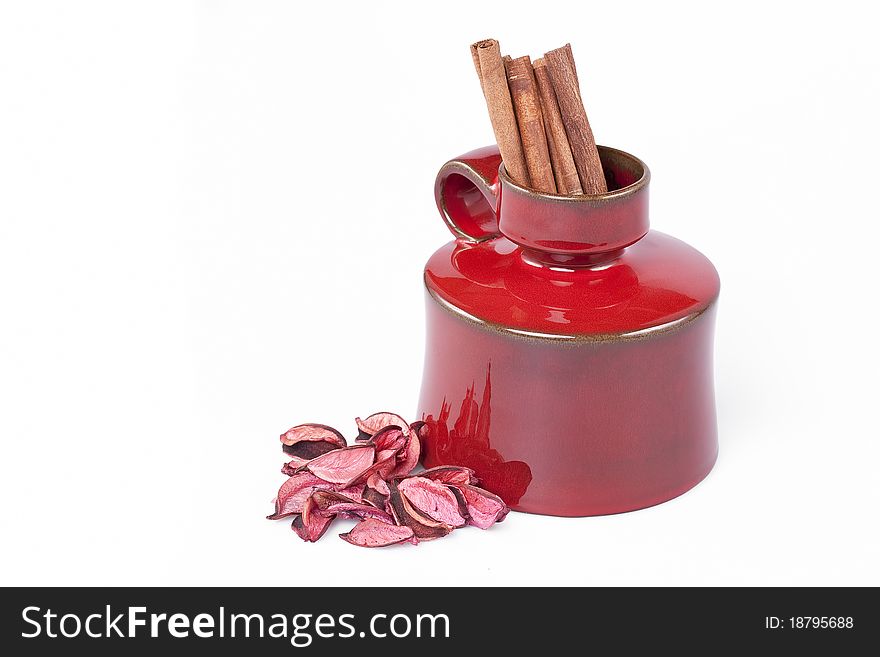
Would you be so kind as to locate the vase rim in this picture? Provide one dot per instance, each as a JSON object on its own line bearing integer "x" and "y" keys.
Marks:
{"x": 605, "y": 152}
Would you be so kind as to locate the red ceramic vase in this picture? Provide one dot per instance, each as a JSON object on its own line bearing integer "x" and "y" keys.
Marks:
{"x": 569, "y": 348}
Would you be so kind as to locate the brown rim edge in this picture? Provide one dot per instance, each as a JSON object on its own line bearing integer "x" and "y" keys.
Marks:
{"x": 594, "y": 199}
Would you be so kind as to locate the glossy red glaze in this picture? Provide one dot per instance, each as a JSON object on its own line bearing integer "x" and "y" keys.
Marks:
{"x": 574, "y": 379}
{"x": 579, "y": 225}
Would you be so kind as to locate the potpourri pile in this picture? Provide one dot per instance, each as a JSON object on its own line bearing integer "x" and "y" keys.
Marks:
{"x": 373, "y": 480}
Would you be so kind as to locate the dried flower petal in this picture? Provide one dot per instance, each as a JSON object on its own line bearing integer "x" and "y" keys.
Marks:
{"x": 371, "y": 480}
{"x": 390, "y": 438}
{"x": 375, "y": 533}
{"x": 311, "y": 432}
{"x": 294, "y": 492}
{"x": 432, "y": 499}
{"x": 388, "y": 443}
{"x": 385, "y": 462}
{"x": 377, "y": 421}
{"x": 311, "y": 525}
{"x": 408, "y": 458}
{"x": 484, "y": 508}
{"x": 376, "y": 482}
{"x": 341, "y": 465}
{"x": 449, "y": 474}
{"x": 374, "y": 497}
{"x": 307, "y": 441}
{"x": 293, "y": 466}
{"x": 423, "y": 519}
{"x": 462, "y": 503}
{"x": 355, "y": 492}
{"x": 405, "y": 514}
{"x": 329, "y": 503}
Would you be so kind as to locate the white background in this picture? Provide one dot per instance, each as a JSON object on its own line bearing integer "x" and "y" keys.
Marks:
{"x": 213, "y": 220}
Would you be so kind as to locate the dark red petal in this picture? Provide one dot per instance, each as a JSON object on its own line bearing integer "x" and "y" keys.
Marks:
{"x": 293, "y": 466}
{"x": 308, "y": 441}
{"x": 312, "y": 433}
{"x": 294, "y": 492}
{"x": 308, "y": 450}
{"x": 484, "y": 508}
{"x": 408, "y": 458}
{"x": 373, "y": 423}
{"x": 374, "y": 497}
{"x": 421, "y": 518}
{"x": 449, "y": 474}
{"x": 462, "y": 503}
{"x": 362, "y": 511}
{"x": 375, "y": 533}
{"x": 405, "y": 514}
{"x": 316, "y": 529}
{"x": 329, "y": 503}
{"x": 376, "y": 482}
{"x": 342, "y": 465}
{"x": 432, "y": 499}
{"x": 390, "y": 438}
{"x": 311, "y": 525}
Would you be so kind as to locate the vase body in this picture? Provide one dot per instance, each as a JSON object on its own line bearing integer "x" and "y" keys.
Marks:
{"x": 568, "y": 354}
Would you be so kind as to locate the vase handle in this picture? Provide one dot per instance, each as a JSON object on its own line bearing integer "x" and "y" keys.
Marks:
{"x": 467, "y": 194}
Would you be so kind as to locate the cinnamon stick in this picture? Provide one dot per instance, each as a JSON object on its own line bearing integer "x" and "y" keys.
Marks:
{"x": 567, "y": 181}
{"x": 476, "y": 58}
{"x": 493, "y": 78}
{"x": 568, "y": 53}
{"x": 563, "y": 74}
{"x": 529, "y": 118}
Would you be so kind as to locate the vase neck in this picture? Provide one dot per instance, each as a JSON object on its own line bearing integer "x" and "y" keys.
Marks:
{"x": 538, "y": 258}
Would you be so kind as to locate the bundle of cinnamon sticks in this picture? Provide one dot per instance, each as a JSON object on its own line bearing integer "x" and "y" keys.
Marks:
{"x": 539, "y": 120}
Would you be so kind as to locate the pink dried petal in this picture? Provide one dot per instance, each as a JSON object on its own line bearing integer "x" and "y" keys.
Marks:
{"x": 307, "y": 441}
{"x": 379, "y": 469}
{"x": 354, "y": 492}
{"x": 462, "y": 503}
{"x": 375, "y": 533}
{"x": 328, "y": 503}
{"x": 311, "y": 432}
{"x": 293, "y": 466}
{"x": 373, "y": 423}
{"x": 408, "y": 458}
{"x": 449, "y": 474}
{"x": 362, "y": 512}
{"x": 376, "y": 482}
{"x": 432, "y": 499}
{"x": 294, "y": 492}
{"x": 311, "y": 525}
{"x": 383, "y": 454}
{"x": 314, "y": 531}
{"x": 390, "y": 439}
{"x": 385, "y": 462}
{"x": 414, "y": 513}
{"x": 404, "y": 513}
{"x": 484, "y": 508}
{"x": 342, "y": 465}
{"x": 374, "y": 497}
{"x": 387, "y": 443}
